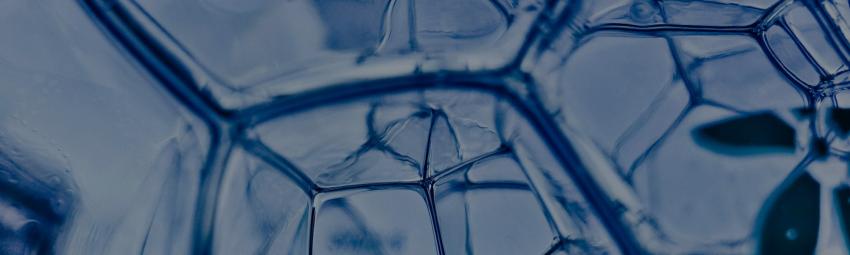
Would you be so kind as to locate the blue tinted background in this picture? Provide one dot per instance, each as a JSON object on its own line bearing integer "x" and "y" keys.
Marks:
{"x": 424, "y": 127}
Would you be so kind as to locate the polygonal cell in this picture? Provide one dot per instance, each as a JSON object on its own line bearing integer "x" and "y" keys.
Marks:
{"x": 814, "y": 38}
{"x": 679, "y": 180}
{"x": 714, "y": 13}
{"x": 563, "y": 203}
{"x": 575, "y": 222}
{"x": 246, "y": 45}
{"x": 464, "y": 127}
{"x": 466, "y": 200}
{"x": 374, "y": 140}
{"x": 260, "y": 210}
{"x": 839, "y": 14}
{"x": 735, "y": 72}
{"x": 260, "y": 49}
{"x": 789, "y": 53}
{"x": 618, "y": 11}
{"x": 92, "y": 153}
{"x": 373, "y": 221}
{"x": 709, "y": 13}
{"x": 461, "y": 127}
{"x": 448, "y": 24}
{"x": 658, "y": 119}
{"x": 621, "y": 113}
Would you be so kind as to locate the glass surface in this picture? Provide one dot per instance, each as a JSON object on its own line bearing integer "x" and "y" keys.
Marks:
{"x": 424, "y": 127}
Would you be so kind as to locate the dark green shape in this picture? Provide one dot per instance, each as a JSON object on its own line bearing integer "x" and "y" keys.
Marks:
{"x": 755, "y": 133}
{"x": 791, "y": 223}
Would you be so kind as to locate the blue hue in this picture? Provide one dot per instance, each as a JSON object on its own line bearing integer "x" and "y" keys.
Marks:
{"x": 424, "y": 127}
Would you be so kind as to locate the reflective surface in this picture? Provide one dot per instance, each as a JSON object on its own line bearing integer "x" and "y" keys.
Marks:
{"x": 95, "y": 156}
{"x": 424, "y": 127}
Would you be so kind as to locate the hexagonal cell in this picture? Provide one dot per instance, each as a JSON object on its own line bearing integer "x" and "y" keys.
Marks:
{"x": 246, "y": 45}
{"x": 385, "y": 138}
{"x": 734, "y": 71}
{"x": 260, "y": 210}
{"x": 388, "y": 220}
{"x": 97, "y": 146}
{"x": 706, "y": 13}
{"x": 465, "y": 202}
{"x": 663, "y": 115}
{"x": 476, "y": 127}
{"x": 625, "y": 113}
{"x": 261, "y": 49}
{"x": 453, "y": 25}
{"x": 785, "y": 48}
{"x": 366, "y": 141}
{"x": 814, "y": 39}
